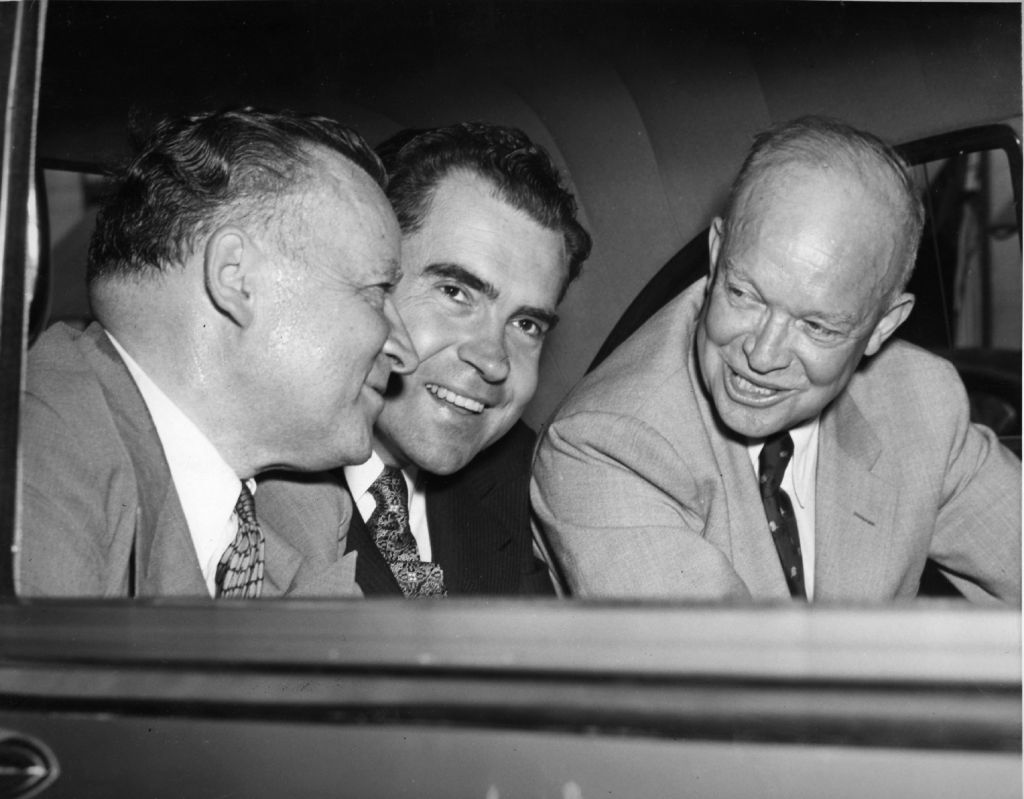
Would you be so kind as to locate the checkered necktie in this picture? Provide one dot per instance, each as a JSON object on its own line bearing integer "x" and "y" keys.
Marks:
{"x": 389, "y": 525}
{"x": 778, "y": 509}
{"x": 240, "y": 571}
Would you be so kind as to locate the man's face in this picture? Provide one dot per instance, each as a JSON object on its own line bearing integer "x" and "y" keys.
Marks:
{"x": 329, "y": 334}
{"x": 480, "y": 284}
{"x": 797, "y": 296}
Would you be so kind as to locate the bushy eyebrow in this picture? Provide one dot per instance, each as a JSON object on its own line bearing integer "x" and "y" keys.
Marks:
{"x": 460, "y": 274}
{"x": 840, "y": 320}
{"x": 548, "y": 318}
{"x": 464, "y": 276}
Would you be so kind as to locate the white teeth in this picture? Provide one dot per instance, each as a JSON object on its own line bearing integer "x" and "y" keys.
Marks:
{"x": 752, "y": 388}
{"x": 456, "y": 399}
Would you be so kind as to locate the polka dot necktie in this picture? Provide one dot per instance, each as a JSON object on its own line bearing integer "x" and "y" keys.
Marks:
{"x": 389, "y": 525}
{"x": 240, "y": 571}
{"x": 778, "y": 509}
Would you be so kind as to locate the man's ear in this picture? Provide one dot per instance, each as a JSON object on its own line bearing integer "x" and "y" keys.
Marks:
{"x": 714, "y": 249}
{"x": 897, "y": 314}
{"x": 714, "y": 245}
{"x": 228, "y": 263}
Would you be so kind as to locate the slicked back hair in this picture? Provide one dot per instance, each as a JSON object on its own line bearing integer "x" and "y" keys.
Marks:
{"x": 522, "y": 173}
{"x": 193, "y": 173}
{"x": 816, "y": 142}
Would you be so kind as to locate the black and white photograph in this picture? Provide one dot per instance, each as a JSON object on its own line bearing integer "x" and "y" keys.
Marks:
{"x": 510, "y": 398}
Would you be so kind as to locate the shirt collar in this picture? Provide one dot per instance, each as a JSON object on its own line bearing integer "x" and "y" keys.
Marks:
{"x": 804, "y": 465}
{"x": 805, "y": 451}
{"x": 360, "y": 477}
{"x": 207, "y": 487}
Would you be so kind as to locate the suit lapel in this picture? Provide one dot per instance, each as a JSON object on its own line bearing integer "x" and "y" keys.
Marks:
{"x": 165, "y": 562}
{"x": 743, "y": 534}
{"x": 288, "y": 572}
{"x": 305, "y": 519}
{"x": 373, "y": 574}
{"x": 467, "y": 533}
{"x": 164, "y": 558}
{"x": 855, "y": 507}
{"x": 753, "y": 551}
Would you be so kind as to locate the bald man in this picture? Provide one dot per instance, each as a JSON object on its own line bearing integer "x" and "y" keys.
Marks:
{"x": 762, "y": 437}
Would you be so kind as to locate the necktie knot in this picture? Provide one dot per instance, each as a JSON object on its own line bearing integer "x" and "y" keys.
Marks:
{"x": 391, "y": 494}
{"x": 775, "y": 456}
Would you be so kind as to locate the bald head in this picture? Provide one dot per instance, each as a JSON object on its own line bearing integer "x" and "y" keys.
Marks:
{"x": 843, "y": 156}
{"x": 807, "y": 272}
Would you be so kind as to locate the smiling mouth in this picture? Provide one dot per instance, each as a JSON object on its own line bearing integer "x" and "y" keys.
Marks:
{"x": 459, "y": 401}
{"x": 743, "y": 390}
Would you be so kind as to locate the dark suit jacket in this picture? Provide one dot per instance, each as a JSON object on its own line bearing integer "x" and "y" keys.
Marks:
{"x": 100, "y": 515}
{"x": 479, "y": 521}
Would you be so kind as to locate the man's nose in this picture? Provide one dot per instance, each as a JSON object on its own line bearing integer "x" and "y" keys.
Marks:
{"x": 767, "y": 347}
{"x": 398, "y": 346}
{"x": 484, "y": 350}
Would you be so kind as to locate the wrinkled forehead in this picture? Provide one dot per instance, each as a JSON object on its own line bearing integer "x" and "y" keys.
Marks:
{"x": 855, "y": 218}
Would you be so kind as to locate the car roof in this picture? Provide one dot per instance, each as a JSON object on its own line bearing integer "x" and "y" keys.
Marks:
{"x": 649, "y": 106}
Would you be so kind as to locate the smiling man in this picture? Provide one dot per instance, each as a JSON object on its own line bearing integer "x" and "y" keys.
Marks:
{"x": 241, "y": 275}
{"x": 758, "y": 438}
{"x": 490, "y": 242}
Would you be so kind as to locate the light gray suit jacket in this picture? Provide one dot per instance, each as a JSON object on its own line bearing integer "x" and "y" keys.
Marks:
{"x": 100, "y": 515}
{"x": 640, "y": 491}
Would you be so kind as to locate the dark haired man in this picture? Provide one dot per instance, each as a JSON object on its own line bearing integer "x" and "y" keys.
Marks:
{"x": 490, "y": 242}
{"x": 755, "y": 439}
{"x": 241, "y": 280}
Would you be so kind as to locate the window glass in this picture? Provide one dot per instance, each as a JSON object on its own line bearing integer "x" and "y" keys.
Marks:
{"x": 968, "y": 280}
{"x": 73, "y": 199}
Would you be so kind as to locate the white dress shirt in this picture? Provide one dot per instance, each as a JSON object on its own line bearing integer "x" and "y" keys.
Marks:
{"x": 798, "y": 483}
{"x": 207, "y": 487}
{"x": 361, "y": 477}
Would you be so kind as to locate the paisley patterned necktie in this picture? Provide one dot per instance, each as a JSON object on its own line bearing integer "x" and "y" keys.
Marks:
{"x": 778, "y": 510}
{"x": 240, "y": 571}
{"x": 389, "y": 526}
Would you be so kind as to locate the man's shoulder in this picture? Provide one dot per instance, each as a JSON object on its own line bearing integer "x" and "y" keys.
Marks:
{"x": 58, "y": 351}
{"x": 650, "y": 370}
{"x": 80, "y": 397}
{"x": 68, "y": 367}
{"x": 909, "y": 395}
{"x": 905, "y": 372}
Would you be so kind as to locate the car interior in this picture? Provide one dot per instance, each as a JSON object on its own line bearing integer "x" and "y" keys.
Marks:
{"x": 648, "y": 107}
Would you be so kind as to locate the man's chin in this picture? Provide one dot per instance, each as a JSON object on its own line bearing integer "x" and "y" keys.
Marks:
{"x": 437, "y": 457}
{"x": 450, "y": 463}
{"x": 750, "y": 422}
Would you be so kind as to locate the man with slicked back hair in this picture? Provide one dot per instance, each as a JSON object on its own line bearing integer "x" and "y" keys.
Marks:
{"x": 241, "y": 278}
{"x": 490, "y": 243}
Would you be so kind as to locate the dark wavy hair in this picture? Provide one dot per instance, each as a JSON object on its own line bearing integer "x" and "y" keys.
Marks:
{"x": 522, "y": 173}
{"x": 192, "y": 173}
{"x": 817, "y": 141}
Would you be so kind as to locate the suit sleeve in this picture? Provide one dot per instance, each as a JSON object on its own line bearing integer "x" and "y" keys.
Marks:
{"x": 977, "y": 537}
{"x": 536, "y": 581}
{"x": 77, "y": 512}
{"x": 622, "y": 515}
